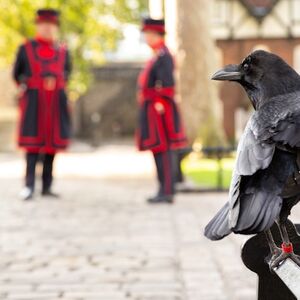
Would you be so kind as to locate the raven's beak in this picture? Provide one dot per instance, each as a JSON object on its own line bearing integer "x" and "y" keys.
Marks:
{"x": 230, "y": 72}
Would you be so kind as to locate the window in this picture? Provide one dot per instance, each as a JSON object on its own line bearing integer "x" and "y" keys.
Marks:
{"x": 295, "y": 10}
{"x": 220, "y": 11}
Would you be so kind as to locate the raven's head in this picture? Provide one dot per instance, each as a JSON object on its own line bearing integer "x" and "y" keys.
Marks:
{"x": 263, "y": 75}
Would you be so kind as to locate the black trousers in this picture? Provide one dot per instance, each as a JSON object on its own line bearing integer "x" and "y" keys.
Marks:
{"x": 180, "y": 154}
{"x": 178, "y": 157}
{"x": 47, "y": 176}
{"x": 165, "y": 162}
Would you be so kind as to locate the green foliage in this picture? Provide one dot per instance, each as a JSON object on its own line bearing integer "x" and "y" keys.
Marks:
{"x": 204, "y": 171}
{"x": 89, "y": 27}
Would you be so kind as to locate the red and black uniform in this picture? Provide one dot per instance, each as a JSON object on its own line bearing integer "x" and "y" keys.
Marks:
{"x": 160, "y": 128}
{"x": 42, "y": 67}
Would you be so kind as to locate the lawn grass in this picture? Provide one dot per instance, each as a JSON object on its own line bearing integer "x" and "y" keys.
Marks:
{"x": 204, "y": 171}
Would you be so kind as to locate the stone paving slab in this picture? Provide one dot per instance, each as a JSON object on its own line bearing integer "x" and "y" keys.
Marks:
{"x": 102, "y": 241}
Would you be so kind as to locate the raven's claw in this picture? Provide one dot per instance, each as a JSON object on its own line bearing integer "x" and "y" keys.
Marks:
{"x": 276, "y": 252}
{"x": 275, "y": 262}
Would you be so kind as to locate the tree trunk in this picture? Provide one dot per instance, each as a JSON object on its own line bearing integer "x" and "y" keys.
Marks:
{"x": 196, "y": 62}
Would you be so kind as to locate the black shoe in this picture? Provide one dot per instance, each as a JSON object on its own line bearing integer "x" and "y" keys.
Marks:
{"x": 27, "y": 193}
{"x": 49, "y": 193}
{"x": 161, "y": 199}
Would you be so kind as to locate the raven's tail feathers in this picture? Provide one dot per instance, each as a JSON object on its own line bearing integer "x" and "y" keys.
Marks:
{"x": 218, "y": 227}
{"x": 257, "y": 213}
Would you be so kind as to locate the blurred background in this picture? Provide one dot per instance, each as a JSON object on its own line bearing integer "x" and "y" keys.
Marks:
{"x": 102, "y": 241}
{"x": 108, "y": 52}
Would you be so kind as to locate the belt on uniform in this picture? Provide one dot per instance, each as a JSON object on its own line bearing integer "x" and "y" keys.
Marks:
{"x": 47, "y": 83}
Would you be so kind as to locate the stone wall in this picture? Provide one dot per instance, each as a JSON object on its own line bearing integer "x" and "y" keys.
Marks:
{"x": 109, "y": 108}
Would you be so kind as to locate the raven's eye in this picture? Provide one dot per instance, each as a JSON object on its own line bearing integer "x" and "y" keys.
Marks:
{"x": 245, "y": 67}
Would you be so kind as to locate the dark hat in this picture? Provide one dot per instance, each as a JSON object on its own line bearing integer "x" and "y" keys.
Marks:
{"x": 47, "y": 15}
{"x": 154, "y": 25}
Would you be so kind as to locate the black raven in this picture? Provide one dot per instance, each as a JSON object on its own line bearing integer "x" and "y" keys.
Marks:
{"x": 266, "y": 179}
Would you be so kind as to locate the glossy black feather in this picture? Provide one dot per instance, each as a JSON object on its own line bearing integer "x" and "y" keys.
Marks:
{"x": 264, "y": 157}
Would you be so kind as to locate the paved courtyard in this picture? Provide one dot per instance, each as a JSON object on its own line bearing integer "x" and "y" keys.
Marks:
{"x": 102, "y": 241}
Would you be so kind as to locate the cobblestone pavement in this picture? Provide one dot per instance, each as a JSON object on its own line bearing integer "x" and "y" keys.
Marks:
{"x": 102, "y": 241}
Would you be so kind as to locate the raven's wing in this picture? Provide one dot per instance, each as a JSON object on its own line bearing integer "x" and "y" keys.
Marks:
{"x": 258, "y": 179}
{"x": 276, "y": 123}
{"x": 252, "y": 155}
